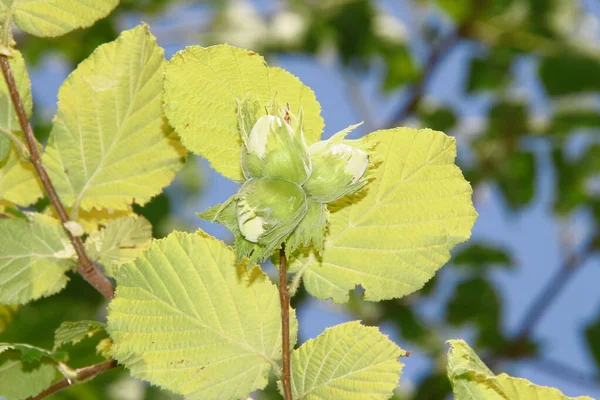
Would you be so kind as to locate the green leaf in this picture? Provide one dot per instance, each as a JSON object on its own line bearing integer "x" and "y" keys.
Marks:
{"x": 476, "y": 301}
{"x": 7, "y": 314}
{"x": 393, "y": 236}
{"x": 121, "y": 240}
{"x": 472, "y": 380}
{"x": 203, "y": 87}
{"x": 31, "y": 354}
{"x": 516, "y": 177}
{"x": 18, "y": 384}
{"x": 476, "y": 255}
{"x": 400, "y": 67}
{"x": 570, "y": 184}
{"x": 187, "y": 318}
{"x": 490, "y": 72}
{"x": 346, "y": 362}
{"x": 440, "y": 118}
{"x": 75, "y": 331}
{"x": 565, "y": 121}
{"x": 592, "y": 337}
{"x": 35, "y": 254}
{"x": 18, "y": 181}
{"x": 581, "y": 69}
{"x": 109, "y": 146}
{"x": 54, "y": 17}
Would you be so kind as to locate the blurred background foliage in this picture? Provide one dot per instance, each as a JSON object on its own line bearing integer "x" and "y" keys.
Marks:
{"x": 515, "y": 81}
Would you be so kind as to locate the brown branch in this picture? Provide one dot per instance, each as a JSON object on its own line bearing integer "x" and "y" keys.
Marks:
{"x": 91, "y": 272}
{"x": 284, "y": 299}
{"x": 518, "y": 346}
{"x": 418, "y": 90}
{"x": 550, "y": 292}
{"x": 565, "y": 372}
{"x": 437, "y": 55}
{"x": 83, "y": 374}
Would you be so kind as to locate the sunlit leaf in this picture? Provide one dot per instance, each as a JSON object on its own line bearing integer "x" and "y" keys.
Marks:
{"x": 398, "y": 232}
{"x": 18, "y": 181}
{"x": 19, "y": 384}
{"x": 109, "y": 145}
{"x": 54, "y": 17}
{"x": 35, "y": 254}
{"x": 349, "y": 361}
{"x": 202, "y": 87}
{"x": 472, "y": 380}
{"x": 121, "y": 240}
{"x": 75, "y": 331}
{"x": 187, "y": 318}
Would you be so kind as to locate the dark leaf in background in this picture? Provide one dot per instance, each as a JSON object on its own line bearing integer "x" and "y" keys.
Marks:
{"x": 490, "y": 72}
{"x": 440, "y": 119}
{"x": 564, "y": 122}
{"x": 476, "y": 302}
{"x": 570, "y": 183}
{"x": 569, "y": 73}
{"x": 592, "y": 336}
{"x": 433, "y": 387}
{"x": 400, "y": 67}
{"x": 508, "y": 121}
{"x": 516, "y": 178}
{"x": 477, "y": 256}
{"x": 156, "y": 211}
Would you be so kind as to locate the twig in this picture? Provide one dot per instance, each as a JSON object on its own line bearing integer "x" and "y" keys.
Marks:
{"x": 565, "y": 372}
{"x": 550, "y": 292}
{"x": 284, "y": 299}
{"x": 433, "y": 62}
{"x": 358, "y": 100}
{"x": 85, "y": 266}
{"x": 83, "y": 374}
{"x": 418, "y": 91}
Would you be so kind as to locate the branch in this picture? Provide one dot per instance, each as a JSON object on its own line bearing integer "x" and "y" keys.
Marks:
{"x": 418, "y": 90}
{"x": 83, "y": 374}
{"x": 91, "y": 272}
{"x": 550, "y": 292}
{"x": 433, "y": 62}
{"x": 284, "y": 299}
{"x": 566, "y": 372}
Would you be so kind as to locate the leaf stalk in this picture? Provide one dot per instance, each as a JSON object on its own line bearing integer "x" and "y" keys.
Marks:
{"x": 83, "y": 374}
{"x": 91, "y": 272}
{"x": 284, "y": 299}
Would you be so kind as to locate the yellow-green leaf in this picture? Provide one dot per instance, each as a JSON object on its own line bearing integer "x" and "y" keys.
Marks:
{"x": 109, "y": 146}
{"x": 121, "y": 240}
{"x": 35, "y": 254}
{"x": 17, "y": 383}
{"x": 75, "y": 331}
{"x": 54, "y": 17}
{"x": 18, "y": 181}
{"x": 202, "y": 90}
{"x": 393, "y": 236}
{"x": 472, "y": 380}
{"x": 7, "y": 314}
{"x": 187, "y": 318}
{"x": 347, "y": 362}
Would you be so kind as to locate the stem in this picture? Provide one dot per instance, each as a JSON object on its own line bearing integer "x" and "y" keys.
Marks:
{"x": 284, "y": 299}
{"x": 83, "y": 374}
{"x": 91, "y": 272}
